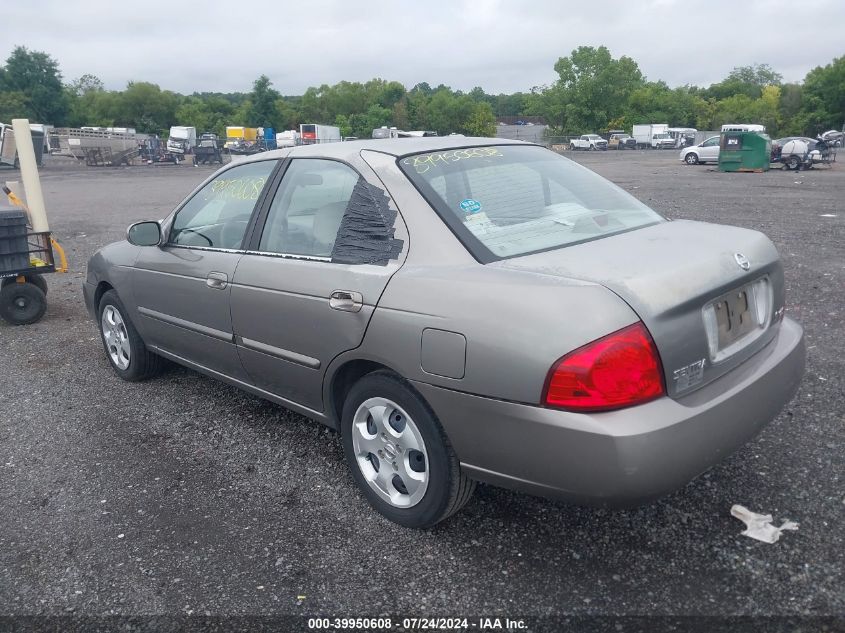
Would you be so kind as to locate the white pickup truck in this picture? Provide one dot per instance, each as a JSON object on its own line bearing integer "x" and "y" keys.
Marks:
{"x": 588, "y": 141}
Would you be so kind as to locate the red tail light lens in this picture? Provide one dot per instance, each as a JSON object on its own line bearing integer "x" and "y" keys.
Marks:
{"x": 618, "y": 370}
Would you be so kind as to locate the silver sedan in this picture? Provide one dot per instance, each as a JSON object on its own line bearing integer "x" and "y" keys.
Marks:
{"x": 461, "y": 310}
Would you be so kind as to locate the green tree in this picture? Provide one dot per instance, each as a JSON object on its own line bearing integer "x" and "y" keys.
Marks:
{"x": 656, "y": 102}
{"x": 823, "y": 97}
{"x": 85, "y": 84}
{"x": 592, "y": 89}
{"x": 768, "y": 109}
{"x": 13, "y": 105}
{"x": 147, "y": 107}
{"x": 400, "y": 115}
{"x": 745, "y": 80}
{"x": 36, "y": 76}
{"x": 790, "y": 106}
{"x": 262, "y": 111}
{"x": 481, "y": 121}
{"x": 287, "y": 116}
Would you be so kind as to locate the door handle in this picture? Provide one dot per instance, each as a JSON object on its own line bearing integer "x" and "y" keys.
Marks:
{"x": 218, "y": 281}
{"x": 346, "y": 301}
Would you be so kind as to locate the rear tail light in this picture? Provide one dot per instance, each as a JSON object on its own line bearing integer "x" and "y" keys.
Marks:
{"x": 619, "y": 370}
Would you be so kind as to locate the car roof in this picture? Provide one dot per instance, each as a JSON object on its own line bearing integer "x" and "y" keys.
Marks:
{"x": 347, "y": 150}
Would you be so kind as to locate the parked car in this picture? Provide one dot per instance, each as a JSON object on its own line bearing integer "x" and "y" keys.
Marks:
{"x": 589, "y": 141}
{"x": 834, "y": 138}
{"x": 622, "y": 141}
{"x": 461, "y": 309}
{"x": 705, "y": 152}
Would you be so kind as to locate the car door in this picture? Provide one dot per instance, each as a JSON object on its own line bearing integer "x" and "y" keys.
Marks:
{"x": 710, "y": 149}
{"x": 317, "y": 265}
{"x": 182, "y": 287}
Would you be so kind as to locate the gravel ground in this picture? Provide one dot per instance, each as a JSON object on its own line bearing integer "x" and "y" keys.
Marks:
{"x": 183, "y": 495}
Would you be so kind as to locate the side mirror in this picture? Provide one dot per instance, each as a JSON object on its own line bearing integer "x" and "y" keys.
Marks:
{"x": 144, "y": 234}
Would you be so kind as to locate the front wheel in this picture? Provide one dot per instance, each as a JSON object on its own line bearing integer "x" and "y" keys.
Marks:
{"x": 398, "y": 453}
{"x": 691, "y": 158}
{"x": 794, "y": 163}
{"x": 127, "y": 354}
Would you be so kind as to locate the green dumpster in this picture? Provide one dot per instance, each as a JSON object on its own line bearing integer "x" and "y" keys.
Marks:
{"x": 744, "y": 151}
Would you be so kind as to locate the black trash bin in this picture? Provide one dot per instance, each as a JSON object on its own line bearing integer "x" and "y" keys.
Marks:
{"x": 14, "y": 249}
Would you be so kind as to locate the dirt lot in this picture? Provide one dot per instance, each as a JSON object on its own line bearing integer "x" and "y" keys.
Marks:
{"x": 182, "y": 495}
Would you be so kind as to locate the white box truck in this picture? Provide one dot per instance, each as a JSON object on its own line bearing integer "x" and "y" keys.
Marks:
{"x": 312, "y": 133}
{"x": 653, "y": 135}
{"x": 182, "y": 140}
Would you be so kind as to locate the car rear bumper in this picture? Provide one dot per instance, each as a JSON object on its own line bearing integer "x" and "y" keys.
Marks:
{"x": 626, "y": 457}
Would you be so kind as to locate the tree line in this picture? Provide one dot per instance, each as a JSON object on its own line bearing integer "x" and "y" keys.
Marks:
{"x": 594, "y": 92}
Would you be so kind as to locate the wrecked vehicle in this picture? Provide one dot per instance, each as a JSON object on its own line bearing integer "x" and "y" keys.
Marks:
{"x": 462, "y": 310}
{"x": 803, "y": 153}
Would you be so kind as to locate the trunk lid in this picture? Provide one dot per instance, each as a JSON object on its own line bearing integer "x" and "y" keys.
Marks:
{"x": 677, "y": 276}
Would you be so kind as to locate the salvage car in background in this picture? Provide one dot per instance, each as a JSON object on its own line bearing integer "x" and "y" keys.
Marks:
{"x": 705, "y": 152}
{"x": 462, "y": 309}
{"x": 834, "y": 138}
{"x": 622, "y": 141}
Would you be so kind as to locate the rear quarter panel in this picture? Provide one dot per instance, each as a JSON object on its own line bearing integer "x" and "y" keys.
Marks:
{"x": 516, "y": 325}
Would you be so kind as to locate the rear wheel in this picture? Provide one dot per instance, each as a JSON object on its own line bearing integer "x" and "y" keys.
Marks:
{"x": 22, "y": 304}
{"x": 794, "y": 163}
{"x": 129, "y": 357}
{"x": 691, "y": 158}
{"x": 398, "y": 453}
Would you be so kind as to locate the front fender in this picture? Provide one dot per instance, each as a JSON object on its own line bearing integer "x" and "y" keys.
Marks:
{"x": 111, "y": 266}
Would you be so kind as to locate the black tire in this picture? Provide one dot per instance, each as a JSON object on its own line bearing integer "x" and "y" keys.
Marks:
{"x": 22, "y": 304}
{"x": 448, "y": 488}
{"x": 35, "y": 280}
{"x": 794, "y": 163}
{"x": 691, "y": 158}
{"x": 143, "y": 364}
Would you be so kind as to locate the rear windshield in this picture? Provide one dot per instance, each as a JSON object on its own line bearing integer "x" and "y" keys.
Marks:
{"x": 509, "y": 200}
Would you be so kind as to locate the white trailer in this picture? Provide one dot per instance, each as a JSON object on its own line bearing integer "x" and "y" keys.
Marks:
{"x": 288, "y": 138}
{"x": 313, "y": 133}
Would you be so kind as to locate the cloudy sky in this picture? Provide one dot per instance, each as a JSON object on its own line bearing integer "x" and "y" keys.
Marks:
{"x": 502, "y": 46}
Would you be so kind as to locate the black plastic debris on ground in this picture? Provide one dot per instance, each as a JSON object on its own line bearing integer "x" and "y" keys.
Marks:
{"x": 366, "y": 230}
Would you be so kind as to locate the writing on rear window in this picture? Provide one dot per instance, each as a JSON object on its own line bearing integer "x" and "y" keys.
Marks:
{"x": 424, "y": 162}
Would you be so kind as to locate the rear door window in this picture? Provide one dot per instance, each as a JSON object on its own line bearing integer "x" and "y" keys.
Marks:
{"x": 306, "y": 212}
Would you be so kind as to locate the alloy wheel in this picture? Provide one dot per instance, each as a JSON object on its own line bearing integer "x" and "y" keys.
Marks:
{"x": 116, "y": 337}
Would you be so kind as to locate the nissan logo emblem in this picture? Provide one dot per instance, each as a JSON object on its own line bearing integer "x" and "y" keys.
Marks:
{"x": 742, "y": 261}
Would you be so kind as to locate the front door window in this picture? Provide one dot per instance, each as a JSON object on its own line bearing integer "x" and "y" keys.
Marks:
{"x": 218, "y": 214}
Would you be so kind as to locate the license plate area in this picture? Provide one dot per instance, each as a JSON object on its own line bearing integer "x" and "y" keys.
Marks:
{"x": 733, "y": 316}
{"x": 736, "y": 318}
